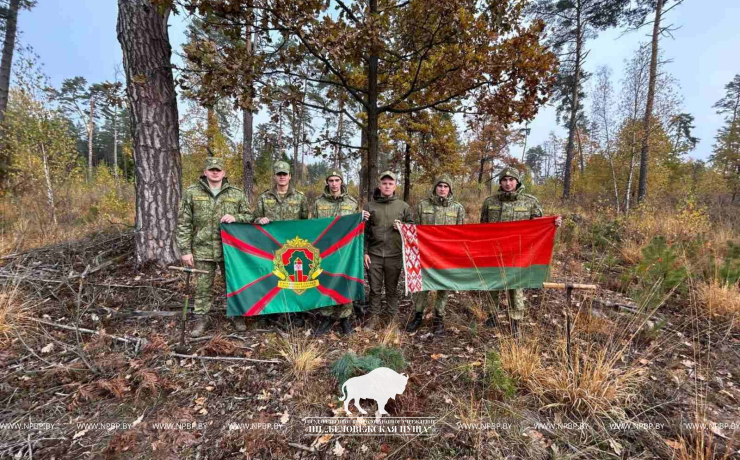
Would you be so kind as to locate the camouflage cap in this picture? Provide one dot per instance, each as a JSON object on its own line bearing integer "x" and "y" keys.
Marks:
{"x": 388, "y": 173}
{"x": 214, "y": 163}
{"x": 281, "y": 167}
{"x": 334, "y": 173}
{"x": 511, "y": 172}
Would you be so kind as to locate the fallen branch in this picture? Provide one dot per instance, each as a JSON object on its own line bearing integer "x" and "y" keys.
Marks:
{"x": 302, "y": 447}
{"x": 139, "y": 342}
{"x": 226, "y": 358}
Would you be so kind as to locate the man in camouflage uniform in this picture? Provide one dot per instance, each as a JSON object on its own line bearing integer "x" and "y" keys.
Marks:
{"x": 510, "y": 204}
{"x": 439, "y": 209}
{"x": 281, "y": 202}
{"x": 335, "y": 202}
{"x": 204, "y": 206}
{"x": 383, "y": 250}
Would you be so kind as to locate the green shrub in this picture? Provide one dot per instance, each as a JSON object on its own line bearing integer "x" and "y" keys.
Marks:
{"x": 728, "y": 271}
{"x": 659, "y": 272}
{"x": 351, "y": 365}
{"x": 497, "y": 377}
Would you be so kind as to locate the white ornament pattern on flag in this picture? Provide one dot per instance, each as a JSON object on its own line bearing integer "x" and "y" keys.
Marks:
{"x": 411, "y": 258}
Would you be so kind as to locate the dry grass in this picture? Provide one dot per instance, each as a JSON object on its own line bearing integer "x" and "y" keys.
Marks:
{"x": 521, "y": 358}
{"x": 303, "y": 356}
{"x": 593, "y": 386}
{"x": 12, "y": 310}
{"x": 718, "y": 299}
{"x": 391, "y": 335}
{"x": 631, "y": 251}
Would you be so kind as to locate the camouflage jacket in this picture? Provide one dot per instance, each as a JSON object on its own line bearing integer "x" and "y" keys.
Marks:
{"x": 329, "y": 206}
{"x": 509, "y": 206}
{"x": 292, "y": 206}
{"x": 381, "y": 239}
{"x": 436, "y": 210}
{"x": 199, "y": 219}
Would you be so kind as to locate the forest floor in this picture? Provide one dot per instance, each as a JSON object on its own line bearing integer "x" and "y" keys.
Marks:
{"x": 633, "y": 385}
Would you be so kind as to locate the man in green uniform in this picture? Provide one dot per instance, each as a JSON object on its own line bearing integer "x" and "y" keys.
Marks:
{"x": 203, "y": 208}
{"x": 509, "y": 204}
{"x": 335, "y": 202}
{"x": 439, "y": 209}
{"x": 281, "y": 202}
{"x": 383, "y": 251}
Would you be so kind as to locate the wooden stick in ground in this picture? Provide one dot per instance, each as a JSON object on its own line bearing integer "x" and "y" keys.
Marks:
{"x": 568, "y": 285}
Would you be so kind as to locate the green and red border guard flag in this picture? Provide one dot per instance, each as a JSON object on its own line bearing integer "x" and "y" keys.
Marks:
{"x": 293, "y": 266}
{"x": 478, "y": 257}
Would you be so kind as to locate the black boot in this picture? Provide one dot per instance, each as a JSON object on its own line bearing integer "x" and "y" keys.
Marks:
{"x": 346, "y": 325}
{"x": 324, "y": 327}
{"x": 416, "y": 322}
{"x": 438, "y": 326}
{"x": 491, "y": 321}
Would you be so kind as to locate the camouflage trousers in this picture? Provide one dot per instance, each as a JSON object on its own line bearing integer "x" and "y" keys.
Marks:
{"x": 204, "y": 285}
{"x": 343, "y": 311}
{"x": 420, "y": 302}
{"x": 515, "y": 298}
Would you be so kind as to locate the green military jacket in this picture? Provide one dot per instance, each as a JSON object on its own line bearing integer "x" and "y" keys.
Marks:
{"x": 329, "y": 206}
{"x": 509, "y": 206}
{"x": 381, "y": 239}
{"x": 436, "y": 210}
{"x": 293, "y": 206}
{"x": 199, "y": 218}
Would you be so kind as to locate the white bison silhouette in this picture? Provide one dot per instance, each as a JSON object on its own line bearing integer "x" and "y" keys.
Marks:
{"x": 380, "y": 384}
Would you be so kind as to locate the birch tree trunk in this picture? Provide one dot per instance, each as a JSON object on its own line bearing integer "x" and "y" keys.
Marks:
{"x": 90, "y": 134}
{"x": 142, "y": 33}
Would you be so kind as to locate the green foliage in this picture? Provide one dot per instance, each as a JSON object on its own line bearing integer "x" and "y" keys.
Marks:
{"x": 390, "y": 357}
{"x": 497, "y": 377}
{"x": 658, "y": 273}
{"x": 351, "y": 365}
{"x": 727, "y": 269}
{"x": 606, "y": 234}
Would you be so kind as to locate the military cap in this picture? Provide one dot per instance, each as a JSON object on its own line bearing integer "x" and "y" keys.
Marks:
{"x": 281, "y": 167}
{"x": 388, "y": 173}
{"x": 511, "y": 172}
{"x": 334, "y": 173}
{"x": 214, "y": 163}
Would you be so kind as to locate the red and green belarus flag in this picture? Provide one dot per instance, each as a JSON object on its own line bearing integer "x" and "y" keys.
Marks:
{"x": 478, "y": 257}
{"x": 293, "y": 265}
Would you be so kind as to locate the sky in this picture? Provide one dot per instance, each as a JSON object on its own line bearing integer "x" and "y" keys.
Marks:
{"x": 78, "y": 37}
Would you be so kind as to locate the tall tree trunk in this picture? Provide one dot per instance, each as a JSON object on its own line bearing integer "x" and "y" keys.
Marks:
{"x": 90, "y": 134}
{"x": 340, "y": 133}
{"x": 247, "y": 128}
{"x": 630, "y": 175}
{"x": 572, "y": 126}
{"x": 11, "y": 24}
{"x": 49, "y": 188}
{"x": 115, "y": 144}
{"x": 372, "y": 109}
{"x": 580, "y": 152}
{"x": 407, "y": 173}
{"x": 150, "y": 88}
{"x": 211, "y": 129}
{"x": 295, "y": 127}
{"x": 364, "y": 192}
{"x": 642, "y": 188}
{"x": 480, "y": 173}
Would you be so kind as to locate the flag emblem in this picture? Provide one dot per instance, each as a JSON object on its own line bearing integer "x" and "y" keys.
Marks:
{"x": 290, "y": 261}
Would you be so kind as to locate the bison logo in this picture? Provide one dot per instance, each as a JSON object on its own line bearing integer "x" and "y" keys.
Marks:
{"x": 380, "y": 384}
